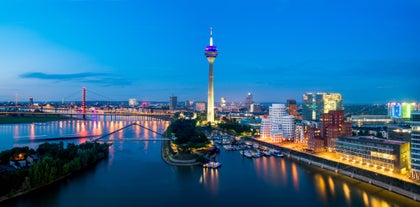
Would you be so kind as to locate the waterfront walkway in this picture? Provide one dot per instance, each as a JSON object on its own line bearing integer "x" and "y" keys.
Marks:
{"x": 387, "y": 180}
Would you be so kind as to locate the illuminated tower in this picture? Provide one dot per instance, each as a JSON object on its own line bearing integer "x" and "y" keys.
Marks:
{"x": 211, "y": 53}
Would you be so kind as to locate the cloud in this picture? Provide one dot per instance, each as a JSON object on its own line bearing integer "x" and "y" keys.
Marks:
{"x": 104, "y": 79}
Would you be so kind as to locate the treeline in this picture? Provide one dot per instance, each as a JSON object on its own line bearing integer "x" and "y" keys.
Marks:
{"x": 236, "y": 128}
{"x": 187, "y": 133}
{"x": 55, "y": 161}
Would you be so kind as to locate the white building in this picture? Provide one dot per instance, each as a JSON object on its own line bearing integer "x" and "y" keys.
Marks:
{"x": 299, "y": 133}
{"x": 288, "y": 126}
{"x": 265, "y": 130}
{"x": 132, "y": 102}
{"x": 279, "y": 125}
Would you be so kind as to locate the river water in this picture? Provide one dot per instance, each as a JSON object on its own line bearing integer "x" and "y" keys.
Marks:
{"x": 135, "y": 175}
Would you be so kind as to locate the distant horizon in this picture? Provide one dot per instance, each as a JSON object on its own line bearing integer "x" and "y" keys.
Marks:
{"x": 183, "y": 101}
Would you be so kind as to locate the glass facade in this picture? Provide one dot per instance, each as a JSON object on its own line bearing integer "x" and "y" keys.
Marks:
{"x": 382, "y": 154}
{"x": 415, "y": 145}
{"x": 316, "y": 104}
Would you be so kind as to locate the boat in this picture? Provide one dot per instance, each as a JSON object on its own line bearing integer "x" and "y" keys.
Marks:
{"x": 276, "y": 153}
{"x": 246, "y": 153}
{"x": 212, "y": 164}
{"x": 266, "y": 153}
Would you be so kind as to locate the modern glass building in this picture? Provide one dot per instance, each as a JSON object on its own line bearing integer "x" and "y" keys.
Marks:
{"x": 316, "y": 104}
{"x": 380, "y": 154}
{"x": 415, "y": 145}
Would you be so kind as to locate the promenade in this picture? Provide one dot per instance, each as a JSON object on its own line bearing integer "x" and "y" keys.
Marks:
{"x": 390, "y": 181}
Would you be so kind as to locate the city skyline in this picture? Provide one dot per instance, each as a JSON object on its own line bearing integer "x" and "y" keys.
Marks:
{"x": 366, "y": 51}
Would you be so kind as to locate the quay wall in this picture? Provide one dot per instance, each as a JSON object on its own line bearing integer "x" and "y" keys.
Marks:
{"x": 408, "y": 189}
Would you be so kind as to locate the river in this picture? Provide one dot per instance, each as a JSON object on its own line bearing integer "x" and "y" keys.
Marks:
{"x": 135, "y": 175}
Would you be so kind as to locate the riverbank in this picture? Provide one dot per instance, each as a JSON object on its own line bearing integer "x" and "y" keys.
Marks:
{"x": 31, "y": 118}
{"x": 392, "y": 184}
{"x": 55, "y": 164}
{"x": 168, "y": 156}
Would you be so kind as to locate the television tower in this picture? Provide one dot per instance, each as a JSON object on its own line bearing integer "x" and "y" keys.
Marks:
{"x": 210, "y": 53}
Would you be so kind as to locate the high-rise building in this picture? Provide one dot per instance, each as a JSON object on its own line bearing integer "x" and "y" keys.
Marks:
{"x": 173, "y": 102}
{"x": 223, "y": 102}
{"x": 316, "y": 104}
{"x": 132, "y": 102}
{"x": 334, "y": 126}
{"x": 415, "y": 145}
{"x": 31, "y": 101}
{"x": 292, "y": 107}
{"x": 211, "y": 54}
{"x": 248, "y": 100}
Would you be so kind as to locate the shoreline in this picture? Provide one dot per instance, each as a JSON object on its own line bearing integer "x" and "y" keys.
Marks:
{"x": 6, "y": 198}
{"x": 32, "y": 118}
{"x": 408, "y": 189}
{"x": 168, "y": 159}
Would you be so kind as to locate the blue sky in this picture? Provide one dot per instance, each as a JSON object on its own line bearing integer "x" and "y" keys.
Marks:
{"x": 369, "y": 51}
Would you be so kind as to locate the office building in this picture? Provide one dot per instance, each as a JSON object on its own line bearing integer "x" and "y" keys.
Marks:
{"x": 200, "y": 106}
{"x": 383, "y": 154}
{"x": 334, "y": 126}
{"x": 415, "y": 145}
{"x": 248, "y": 101}
{"x": 173, "y": 102}
{"x": 255, "y": 108}
{"x": 316, "y": 104}
{"x": 292, "y": 107}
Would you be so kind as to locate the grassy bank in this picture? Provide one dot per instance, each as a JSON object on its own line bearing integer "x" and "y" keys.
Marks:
{"x": 30, "y": 118}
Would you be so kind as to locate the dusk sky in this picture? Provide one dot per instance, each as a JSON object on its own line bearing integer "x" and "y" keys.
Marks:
{"x": 369, "y": 51}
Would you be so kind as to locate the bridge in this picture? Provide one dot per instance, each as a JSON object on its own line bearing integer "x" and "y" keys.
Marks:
{"x": 83, "y": 110}
{"x": 102, "y": 137}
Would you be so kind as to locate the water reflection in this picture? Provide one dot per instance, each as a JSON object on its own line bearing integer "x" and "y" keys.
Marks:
{"x": 320, "y": 187}
{"x": 210, "y": 179}
{"x": 346, "y": 191}
{"x": 34, "y": 133}
{"x": 331, "y": 185}
{"x": 295, "y": 177}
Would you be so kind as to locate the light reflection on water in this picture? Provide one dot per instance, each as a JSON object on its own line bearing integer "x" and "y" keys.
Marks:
{"x": 210, "y": 180}
{"x": 277, "y": 175}
{"x": 31, "y": 134}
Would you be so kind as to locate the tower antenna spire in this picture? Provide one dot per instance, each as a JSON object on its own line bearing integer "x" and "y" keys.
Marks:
{"x": 211, "y": 36}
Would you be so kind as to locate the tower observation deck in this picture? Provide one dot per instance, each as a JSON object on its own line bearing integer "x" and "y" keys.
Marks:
{"x": 211, "y": 54}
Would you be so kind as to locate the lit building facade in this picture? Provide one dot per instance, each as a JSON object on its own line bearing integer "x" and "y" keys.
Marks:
{"x": 401, "y": 110}
{"x": 265, "y": 129}
{"x": 132, "y": 102}
{"x": 334, "y": 126}
{"x": 288, "y": 127}
{"x": 200, "y": 106}
{"x": 292, "y": 107}
{"x": 280, "y": 125}
{"x": 248, "y": 100}
{"x": 316, "y": 104}
{"x": 415, "y": 145}
{"x": 211, "y": 54}
{"x": 381, "y": 154}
